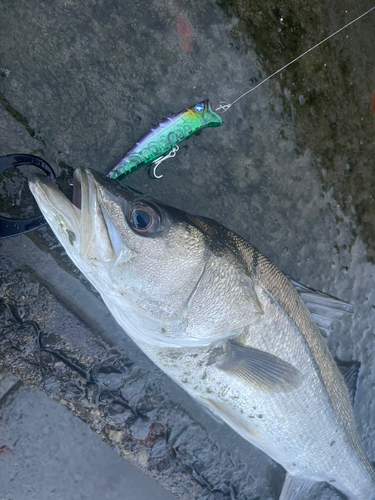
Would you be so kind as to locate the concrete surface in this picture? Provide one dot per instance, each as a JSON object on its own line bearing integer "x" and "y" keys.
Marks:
{"x": 292, "y": 169}
{"x": 51, "y": 454}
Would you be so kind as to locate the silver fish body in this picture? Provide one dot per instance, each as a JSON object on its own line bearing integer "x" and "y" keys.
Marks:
{"x": 222, "y": 321}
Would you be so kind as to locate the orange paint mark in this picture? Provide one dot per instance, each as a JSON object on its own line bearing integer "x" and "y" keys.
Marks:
{"x": 185, "y": 34}
{"x": 4, "y": 449}
{"x": 373, "y": 102}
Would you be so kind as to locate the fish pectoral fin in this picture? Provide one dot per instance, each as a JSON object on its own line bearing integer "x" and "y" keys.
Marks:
{"x": 350, "y": 370}
{"x": 296, "y": 487}
{"x": 262, "y": 370}
{"x": 324, "y": 308}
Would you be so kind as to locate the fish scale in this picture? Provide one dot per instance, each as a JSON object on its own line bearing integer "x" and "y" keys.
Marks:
{"x": 290, "y": 413}
{"x": 223, "y": 322}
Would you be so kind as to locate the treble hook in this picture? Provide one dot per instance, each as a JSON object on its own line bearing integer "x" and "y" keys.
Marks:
{"x": 159, "y": 160}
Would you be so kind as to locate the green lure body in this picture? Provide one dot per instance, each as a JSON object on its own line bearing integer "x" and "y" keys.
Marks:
{"x": 165, "y": 137}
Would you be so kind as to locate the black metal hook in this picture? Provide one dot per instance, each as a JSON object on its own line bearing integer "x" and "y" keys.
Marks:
{"x": 12, "y": 227}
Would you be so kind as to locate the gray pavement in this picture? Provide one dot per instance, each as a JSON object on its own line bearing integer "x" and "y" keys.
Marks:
{"x": 50, "y": 454}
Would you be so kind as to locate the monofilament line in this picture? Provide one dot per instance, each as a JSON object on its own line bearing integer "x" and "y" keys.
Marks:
{"x": 225, "y": 107}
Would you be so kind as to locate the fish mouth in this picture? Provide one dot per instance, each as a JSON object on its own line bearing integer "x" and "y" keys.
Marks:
{"x": 81, "y": 225}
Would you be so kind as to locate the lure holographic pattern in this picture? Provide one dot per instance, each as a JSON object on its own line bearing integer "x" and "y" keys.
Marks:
{"x": 163, "y": 138}
{"x": 162, "y": 142}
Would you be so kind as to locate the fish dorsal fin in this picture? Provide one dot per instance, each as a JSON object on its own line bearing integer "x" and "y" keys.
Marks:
{"x": 324, "y": 308}
{"x": 262, "y": 370}
{"x": 296, "y": 488}
{"x": 350, "y": 370}
{"x": 224, "y": 414}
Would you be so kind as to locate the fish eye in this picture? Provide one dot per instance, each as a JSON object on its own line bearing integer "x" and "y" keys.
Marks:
{"x": 199, "y": 108}
{"x": 144, "y": 218}
{"x": 141, "y": 219}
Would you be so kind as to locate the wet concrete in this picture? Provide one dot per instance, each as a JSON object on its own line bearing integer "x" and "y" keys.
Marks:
{"x": 292, "y": 168}
{"x": 327, "y": 95}
{"x": 45, "y": 452}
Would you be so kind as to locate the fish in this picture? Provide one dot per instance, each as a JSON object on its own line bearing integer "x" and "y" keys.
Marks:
{"x": 229, "y": 327}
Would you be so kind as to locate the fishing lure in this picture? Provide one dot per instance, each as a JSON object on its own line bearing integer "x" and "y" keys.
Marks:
{"x": 165, "y": 138}
{"x": 156, "y": 146}
{"x": 162, "y": 142}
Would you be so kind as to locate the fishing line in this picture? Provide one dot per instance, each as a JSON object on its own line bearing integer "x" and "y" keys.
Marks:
{"x": 161, "y": 141}
{"x": 156, "y": 146}
{"x": 224, "y": 106}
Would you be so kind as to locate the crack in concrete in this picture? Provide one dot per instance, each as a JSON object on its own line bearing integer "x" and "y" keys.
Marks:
{"x": 19, "y": 118}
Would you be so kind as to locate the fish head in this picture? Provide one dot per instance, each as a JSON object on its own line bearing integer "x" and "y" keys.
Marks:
{"x": 168, "y": 277}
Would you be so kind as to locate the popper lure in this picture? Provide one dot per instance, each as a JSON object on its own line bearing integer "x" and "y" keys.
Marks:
{"x": 162, "y": 142}
{"x": 156, "y": 146}
{"x": 163, "y": 139}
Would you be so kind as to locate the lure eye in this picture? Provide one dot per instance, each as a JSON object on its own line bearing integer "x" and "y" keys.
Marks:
{"x": 144, "y": 219}
{"x": 199, "y": 108}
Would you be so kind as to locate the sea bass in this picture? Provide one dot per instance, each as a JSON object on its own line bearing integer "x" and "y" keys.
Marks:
{"x": 221, "y": 320}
